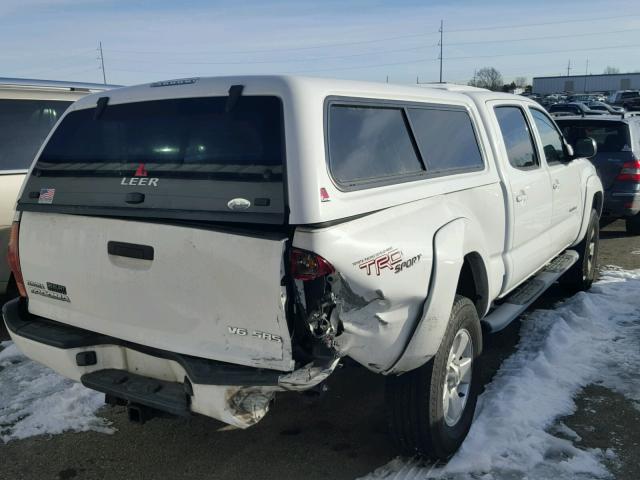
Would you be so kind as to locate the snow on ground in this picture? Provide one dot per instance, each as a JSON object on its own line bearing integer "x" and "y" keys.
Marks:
{"x": 592, "y": 337}
{"x": 35, "y": 400}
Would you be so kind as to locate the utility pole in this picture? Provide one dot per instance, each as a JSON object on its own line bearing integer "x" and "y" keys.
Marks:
{"x": 475, "y": 72}
{"x": 586, "y": 72}
{"x": 441, "y": 32}
{"x": 569, "y": 68}
{"x": 104, "y": 74}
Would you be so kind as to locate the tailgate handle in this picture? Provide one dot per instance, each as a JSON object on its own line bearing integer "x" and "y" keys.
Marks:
{"x": 130, "y": 250}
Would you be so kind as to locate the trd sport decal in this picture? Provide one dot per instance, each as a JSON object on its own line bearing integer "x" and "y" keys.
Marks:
{"x": 390, "y": 259}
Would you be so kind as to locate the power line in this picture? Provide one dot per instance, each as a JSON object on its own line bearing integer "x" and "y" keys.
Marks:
{"x": 291, "y": 60}
{"x": 519, "y": 54}
{"x": 550, "y": 37}
{"x": 560, "y": 22}
{"x": 275, "y": 50}
{"x": 362, "y": 42}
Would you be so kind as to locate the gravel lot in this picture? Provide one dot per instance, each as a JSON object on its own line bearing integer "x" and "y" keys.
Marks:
{"x": 342, "y": 435}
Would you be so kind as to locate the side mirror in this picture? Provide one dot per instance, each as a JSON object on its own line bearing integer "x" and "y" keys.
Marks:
{"x": 585, "y": 148}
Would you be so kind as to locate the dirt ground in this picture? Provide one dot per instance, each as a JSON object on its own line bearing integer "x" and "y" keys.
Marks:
{"x": 341, "y": 436}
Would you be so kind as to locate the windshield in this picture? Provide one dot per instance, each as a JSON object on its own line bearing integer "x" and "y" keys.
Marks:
{"x": 611, "y": 137}
{"x": 24, "y": 124}
{"x": 187, "y": 156}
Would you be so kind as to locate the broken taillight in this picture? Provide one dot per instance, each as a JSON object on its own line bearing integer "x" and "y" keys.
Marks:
{"x": 630, "y": 172}
{"x": 308, "y": 265}
{"x": 13, "y": 258}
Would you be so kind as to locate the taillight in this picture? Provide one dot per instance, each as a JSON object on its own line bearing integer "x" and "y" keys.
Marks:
{"x": 308, "y": 265}
{"x": 630, "y": 172}
{"x": 13, "y": 258}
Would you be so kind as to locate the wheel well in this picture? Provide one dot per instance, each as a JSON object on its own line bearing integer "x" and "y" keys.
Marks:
{"x": 473, "y": 282}
{"x": 597, "y": 203}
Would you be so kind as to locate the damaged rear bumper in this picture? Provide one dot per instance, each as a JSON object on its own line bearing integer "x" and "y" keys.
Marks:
{"x": 168, "y": 381}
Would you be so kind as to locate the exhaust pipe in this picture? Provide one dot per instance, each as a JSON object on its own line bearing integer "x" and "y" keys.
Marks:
{"x": 139, "y": 413}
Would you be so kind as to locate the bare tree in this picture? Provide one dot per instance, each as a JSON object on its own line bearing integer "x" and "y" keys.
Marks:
{"x": 521, "y": 82}
{"x": 488, "y": 77}
{"x": 610, "y": 70}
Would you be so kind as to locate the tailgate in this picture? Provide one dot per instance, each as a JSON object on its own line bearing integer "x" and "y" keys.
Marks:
{"x": 609, "y": 164}
{"x": 205, "y": 293}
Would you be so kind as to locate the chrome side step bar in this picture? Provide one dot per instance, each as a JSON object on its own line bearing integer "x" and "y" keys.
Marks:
{"x": 518, "y": 301}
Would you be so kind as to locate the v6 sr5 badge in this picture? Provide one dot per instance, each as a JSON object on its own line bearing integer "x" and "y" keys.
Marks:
{"x": 388, "y": 260}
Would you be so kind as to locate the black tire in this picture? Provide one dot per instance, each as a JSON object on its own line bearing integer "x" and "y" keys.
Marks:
{"x": 414, "y": 400}
{"x": 632, "y": 224}
{"x": 585, "y": 271}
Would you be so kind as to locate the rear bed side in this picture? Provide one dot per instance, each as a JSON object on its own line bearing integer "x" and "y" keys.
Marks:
{"x": 381, "y": 240}
{"x": 389, "y": 263}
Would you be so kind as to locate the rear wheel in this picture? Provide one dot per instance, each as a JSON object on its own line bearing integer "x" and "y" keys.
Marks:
{"x": 632, "y": 224}
{"x": 585, "y": 271}
{"x": 430, "y": 409}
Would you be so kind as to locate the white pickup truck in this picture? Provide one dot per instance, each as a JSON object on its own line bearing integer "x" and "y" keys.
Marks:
{"x": 197, "y": 245}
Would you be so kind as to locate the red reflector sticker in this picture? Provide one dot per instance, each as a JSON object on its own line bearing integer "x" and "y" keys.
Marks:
{"x": 141, "y": 171}
{"x": 324, "y": 195}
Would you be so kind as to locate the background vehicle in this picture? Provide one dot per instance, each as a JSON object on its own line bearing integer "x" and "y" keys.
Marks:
{"x": 617, "y": 162}
{"x": 627, "y": 99}
{"x": 28, "y": 110}
{"x": 587, "y": 97}
{"x": 200, "y": 278}
{"x": 573, "y": 108}
{"x": 605, "y": 107}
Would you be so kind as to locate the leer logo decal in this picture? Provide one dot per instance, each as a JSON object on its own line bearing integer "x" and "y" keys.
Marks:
{"x": 140, "y": 178}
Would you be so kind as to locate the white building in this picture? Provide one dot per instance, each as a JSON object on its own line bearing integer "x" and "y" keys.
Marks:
{"x": 587, "y": 83}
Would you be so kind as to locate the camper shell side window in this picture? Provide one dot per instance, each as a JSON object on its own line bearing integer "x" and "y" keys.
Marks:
{"x": 371, "y": 143}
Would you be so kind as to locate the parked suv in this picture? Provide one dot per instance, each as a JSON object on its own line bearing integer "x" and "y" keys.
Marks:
{"x": 617, "y": 162}
{"x": 627, "y": 99}
{"x": 197, "y": 245}
{"x": 28, "y": 110}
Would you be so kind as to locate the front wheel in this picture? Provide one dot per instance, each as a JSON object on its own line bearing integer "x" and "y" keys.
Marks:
{"x": 584, "y": 272}
{"x": 430, "y": 409}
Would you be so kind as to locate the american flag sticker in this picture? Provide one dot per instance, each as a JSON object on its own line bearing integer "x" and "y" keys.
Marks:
{"x": 46, "y": 195}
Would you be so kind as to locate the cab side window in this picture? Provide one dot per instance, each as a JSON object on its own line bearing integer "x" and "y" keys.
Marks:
{"x": 517, "y": 137}
{"x": 552, "y": 142}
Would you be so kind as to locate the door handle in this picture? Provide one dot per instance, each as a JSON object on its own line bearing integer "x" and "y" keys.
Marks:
{"x": 130, "y": 250}
{"x": 521, "y": 197}
{"x": 556, "y": 185}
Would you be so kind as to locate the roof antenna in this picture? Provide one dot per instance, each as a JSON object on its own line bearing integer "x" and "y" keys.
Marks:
{"x": 234, "y": 94}
{"x": 101, "y": 105}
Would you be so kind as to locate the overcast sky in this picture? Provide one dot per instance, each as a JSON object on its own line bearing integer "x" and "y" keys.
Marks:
{"x": 145, "y": 41}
